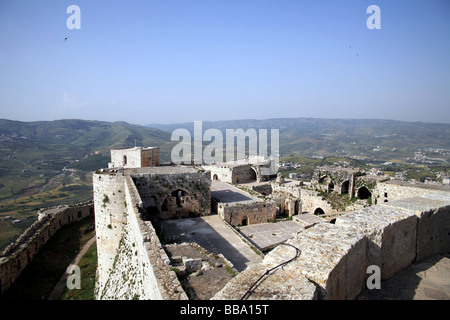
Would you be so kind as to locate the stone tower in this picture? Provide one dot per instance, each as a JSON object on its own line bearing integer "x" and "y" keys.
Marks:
{"x": 137, "y": 157}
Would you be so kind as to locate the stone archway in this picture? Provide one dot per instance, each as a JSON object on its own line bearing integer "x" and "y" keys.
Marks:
{"x": 345, "y": 187}
{"x": 363, "y": 193}
{"x": 253, "y": 175}
{"x": 152, "y": 206}
{"x": 319, "y": 211}
{"x": 297, "y": 207}
{"x": 215, "y": 177}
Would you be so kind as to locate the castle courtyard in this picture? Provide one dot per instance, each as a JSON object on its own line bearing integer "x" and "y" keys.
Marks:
{"x": 214, "y": 235}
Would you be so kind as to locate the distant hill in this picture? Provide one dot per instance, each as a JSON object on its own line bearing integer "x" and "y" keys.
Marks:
{"x": 381, "y": 139}
{"x": 74, "y": 138}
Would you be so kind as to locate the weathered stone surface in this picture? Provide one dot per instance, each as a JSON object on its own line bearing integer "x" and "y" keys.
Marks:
{"x": 391, "y": 233}
{"x": 395, "y": 190}
{"x": 192, "y": 264}
{"x": 21, "y": 252}
{"x": 333, "y": 260}
{"x": 281, "y": 284}
{"x": 433, "y": 231}
{"x": 180, "y": 192}
{"x": 134, "y": 157}
{"x": 332, "y": 257}
{"x": 238, "y": 207}
{"x": 135, "y": 268}
{"x": 307, "y": 220}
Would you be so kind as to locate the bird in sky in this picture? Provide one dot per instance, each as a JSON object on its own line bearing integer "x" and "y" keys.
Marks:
{"x": 65, "y": 38}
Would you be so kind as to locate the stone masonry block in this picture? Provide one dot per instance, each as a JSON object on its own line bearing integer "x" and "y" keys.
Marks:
{"x": 332, "y": 257}
{"x": 281, "y": 284}
{"x": 433, "y": 231}
{"x": 192, "y": 264}
{"x": 391, "y": 233}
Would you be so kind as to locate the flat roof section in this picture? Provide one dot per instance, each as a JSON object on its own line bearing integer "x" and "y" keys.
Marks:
{"x": 225, "y": 193}
{"x": 268, "y": 235}
{"x": 150, "y": 170}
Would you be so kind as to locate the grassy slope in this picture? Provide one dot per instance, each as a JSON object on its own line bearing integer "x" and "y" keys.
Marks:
{"x": 40, "y": 277}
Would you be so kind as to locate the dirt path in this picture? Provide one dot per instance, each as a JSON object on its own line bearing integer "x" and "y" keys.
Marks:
{"x": 60, "y": 287}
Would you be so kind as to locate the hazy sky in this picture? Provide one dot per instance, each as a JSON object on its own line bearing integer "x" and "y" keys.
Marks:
{"x": 175, "y": 61}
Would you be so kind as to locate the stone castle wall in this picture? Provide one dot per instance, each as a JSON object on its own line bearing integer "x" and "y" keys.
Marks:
{"x": 131, "y": 260}
{"x": 110, "y": 214}
{"x": 150, "y": 157}
{"x": 247, "y": 213}
{"x": 19, "y": 254}
{"x": 175, "y": 195}
{"x": 244, "y": 173}
{"x": 233, "y": 173}
{"x": 395, "y": 190}
{"x": 311, "y": 201}
{"x": 222, "y": 173}
{"x": 334, "y": 257}
{"x": 134, "y": 157}
{"x": 138, "y": 269}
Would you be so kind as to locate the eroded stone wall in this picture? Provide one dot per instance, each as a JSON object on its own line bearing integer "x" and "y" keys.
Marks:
{"x": 395, "y": 190}
{"x": 110, "y": 216}
{"x": 221, "y": 173}
{"x": 334, "y": 257}
{"x": 140, "y": 268}
{"x": 311, "y": 202}
{"x": 131, "y": 261}
{"x": 19, "y": 254}
{"x": 175, "y": 195}
{"x": 247, "y": 213}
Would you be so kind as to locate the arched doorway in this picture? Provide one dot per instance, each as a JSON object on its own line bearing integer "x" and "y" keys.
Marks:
{"x": 345, "y": 186}
{"x": 244, "y": 221}
{"x": 152, "y": 206}
{"x": 215, "y": 177}
{"x": 319, "y": 211}
{"x": 363, "y": 193}
{"x": 297, "y": 207}
{"x": 253, "y": 175}
{"x": 125, "y": 160}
